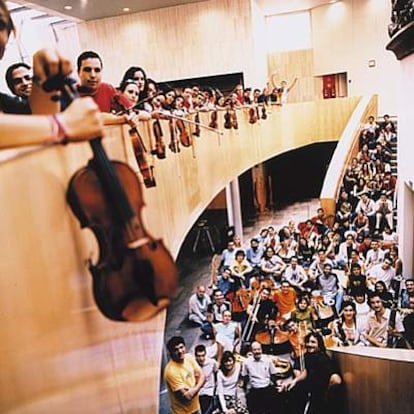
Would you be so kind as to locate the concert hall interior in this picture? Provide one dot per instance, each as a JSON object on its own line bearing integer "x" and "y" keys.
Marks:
{"x": 249, "y": 115}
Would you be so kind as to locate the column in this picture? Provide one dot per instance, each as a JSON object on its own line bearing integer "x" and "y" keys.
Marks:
{"x": 234, "y": 215}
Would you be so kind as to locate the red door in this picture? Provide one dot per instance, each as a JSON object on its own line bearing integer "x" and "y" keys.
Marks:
{"x": 329, "y": 90}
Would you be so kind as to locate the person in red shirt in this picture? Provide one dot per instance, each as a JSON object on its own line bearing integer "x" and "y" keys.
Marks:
{"x": 90, "y": 66}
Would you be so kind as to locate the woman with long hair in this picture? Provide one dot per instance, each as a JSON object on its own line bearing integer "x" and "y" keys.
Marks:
{"x": 381, "y": 289}
{"x": 139, "y": 76}
{"x": 228, "y": 385}
{"x": 346, "y": 331}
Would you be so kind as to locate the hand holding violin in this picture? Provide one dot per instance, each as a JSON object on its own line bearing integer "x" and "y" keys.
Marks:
{"x": 81, "y": 120}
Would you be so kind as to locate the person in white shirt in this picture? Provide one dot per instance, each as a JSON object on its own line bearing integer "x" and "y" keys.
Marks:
{"x": 381, "y": 271}
{"x": 209, "y": 367}
{"x": 295, "y": 274}
{"x": 383, "y": 211}
{"x": 228, "y": 381}
{"x": 198, "y": 305}
{"x": 227, "y": 332}
{"x": 362, "y": 311}
{"x": 375, "y": 255}
{"x": 259, "y": 373}
{"x": 345, "y": 248}
{"x": 378, "y": 323}
{"x": 366, "y": 205}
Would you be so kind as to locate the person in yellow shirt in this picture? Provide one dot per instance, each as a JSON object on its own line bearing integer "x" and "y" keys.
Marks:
{"x": 184, "y": 378}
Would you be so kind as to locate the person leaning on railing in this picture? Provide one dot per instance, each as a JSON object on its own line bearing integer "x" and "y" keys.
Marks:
{"x": 80, "y": 121}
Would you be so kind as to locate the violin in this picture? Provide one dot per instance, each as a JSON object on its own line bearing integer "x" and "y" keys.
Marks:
{"x": 213, "y": 120}
{"x": 197, "y": 125}
{"x": 264, "y": 114}
{"x": 234, "y": 122}
{"x": 159, "y": 149}
{"x": 173, "y": 145}
{"x": 135, "y": 274}
{"x": 140, "y": 151}
{"x": 227, "y": 119}
{"x": 252, "y": 115}
{"x": 185, "y": 138}
{"x": 141, "y": 156}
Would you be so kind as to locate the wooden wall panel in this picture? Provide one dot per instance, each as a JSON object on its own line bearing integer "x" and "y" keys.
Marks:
{"x": 170, "y": 43}
{"x": 57, "y": 352}
{"x": 287, "y": 66}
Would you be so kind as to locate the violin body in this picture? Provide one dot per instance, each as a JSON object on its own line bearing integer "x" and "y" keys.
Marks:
{"x": 184, "y": 135}
{"x": 159, "y": 142}
{"x": 252, "y": 116}
{"x": 227, "y": 120}
{"x": 141, "y": 157}
{"x": 213, "y": 120}
{"x": 135, "y": 274}
{"x": 233, "y": 117}
{"x": 173, "y": 145}
{"x": 197, "y": 126}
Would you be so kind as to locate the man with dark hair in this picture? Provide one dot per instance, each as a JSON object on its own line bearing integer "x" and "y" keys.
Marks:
{"x": 209, "y": 367}
{"x": 407, "y": 293}
{"x": 19, "y": 80}
{"x": 409, "y": 322}
{"x": 379, "y": 325}
{"x": 184, "y": 378}
{"x": 90, "y": 67}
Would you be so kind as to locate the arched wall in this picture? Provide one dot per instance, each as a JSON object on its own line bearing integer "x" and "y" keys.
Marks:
{"x": 58, "y": 353}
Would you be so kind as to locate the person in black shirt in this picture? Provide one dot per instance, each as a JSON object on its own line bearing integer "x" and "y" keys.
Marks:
{"x": 316, "y": 381}
{"x": 19, "y": 80}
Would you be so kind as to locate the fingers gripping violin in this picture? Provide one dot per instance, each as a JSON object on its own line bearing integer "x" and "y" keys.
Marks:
{"x": 135, "y": 275}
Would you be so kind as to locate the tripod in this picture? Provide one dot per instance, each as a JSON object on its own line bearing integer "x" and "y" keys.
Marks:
{"x": 203, "y": 233}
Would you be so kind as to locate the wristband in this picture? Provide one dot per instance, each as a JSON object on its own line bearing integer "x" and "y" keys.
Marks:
{"x": 59, "y": 135}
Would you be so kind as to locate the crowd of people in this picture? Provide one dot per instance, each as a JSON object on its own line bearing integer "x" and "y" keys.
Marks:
{"x": 293, "y": 292}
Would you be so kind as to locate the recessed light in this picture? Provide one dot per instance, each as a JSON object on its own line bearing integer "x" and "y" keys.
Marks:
{"x": 126, "y": 9}
{"x": 67, "y": 7}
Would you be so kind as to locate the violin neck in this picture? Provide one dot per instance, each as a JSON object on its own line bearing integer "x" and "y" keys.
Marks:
{"x": 109, "y": 180}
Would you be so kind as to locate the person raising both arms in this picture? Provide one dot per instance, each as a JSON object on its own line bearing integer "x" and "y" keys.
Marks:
{"x": 80, "y": 121}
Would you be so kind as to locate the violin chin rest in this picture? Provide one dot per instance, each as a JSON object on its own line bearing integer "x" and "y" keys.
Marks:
{"x": 142, "y": 309}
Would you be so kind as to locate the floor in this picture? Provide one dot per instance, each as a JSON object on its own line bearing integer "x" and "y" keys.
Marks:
{"x": 194, "y": 269}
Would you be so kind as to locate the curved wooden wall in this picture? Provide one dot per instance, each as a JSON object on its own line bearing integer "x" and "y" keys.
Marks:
{"x": 58, "y": 353}
{"x": 377, "y": 380}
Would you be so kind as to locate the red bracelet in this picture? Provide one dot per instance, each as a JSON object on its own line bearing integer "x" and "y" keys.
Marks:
{"x": 59, "y": 135}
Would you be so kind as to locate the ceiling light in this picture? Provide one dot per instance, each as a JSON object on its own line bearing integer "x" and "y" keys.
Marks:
{"x": 126, "y": 9}
{"x": 67, "y": 7}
